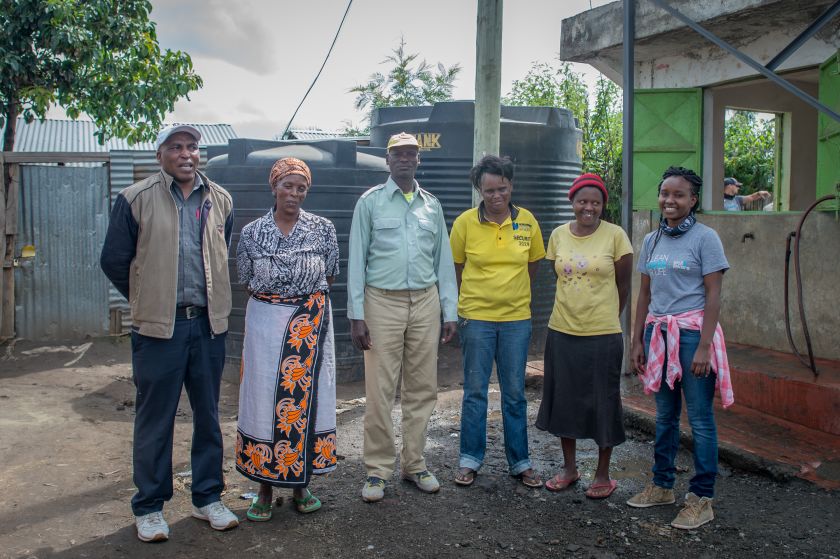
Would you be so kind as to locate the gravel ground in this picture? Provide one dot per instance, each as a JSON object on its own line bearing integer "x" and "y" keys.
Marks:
{"x": 65, "y": 447}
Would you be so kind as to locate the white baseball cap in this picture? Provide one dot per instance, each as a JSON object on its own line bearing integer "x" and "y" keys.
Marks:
{"x": 170, "y": 129}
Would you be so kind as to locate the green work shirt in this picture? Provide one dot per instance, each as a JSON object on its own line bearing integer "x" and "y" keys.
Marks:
{"x": 396, "y": 244}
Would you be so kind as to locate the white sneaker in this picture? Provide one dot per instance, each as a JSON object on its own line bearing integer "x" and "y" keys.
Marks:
{"x": 373, "y": 490}
{"x": 218, "y": 515}
{"x": 152, "y": 527}
{"x": 425, "y": 481}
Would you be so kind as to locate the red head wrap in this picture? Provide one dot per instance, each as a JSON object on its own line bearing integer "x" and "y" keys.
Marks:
{"x": 589, "y": 179}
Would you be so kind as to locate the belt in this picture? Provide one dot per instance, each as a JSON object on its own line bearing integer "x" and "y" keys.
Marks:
{"x": 190, "y": 312}
{"x": 401, "y": 291}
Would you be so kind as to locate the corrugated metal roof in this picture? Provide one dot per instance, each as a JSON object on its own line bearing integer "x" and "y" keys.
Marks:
{"x": 78, "y": 135}
{"x": 317, "y": 134}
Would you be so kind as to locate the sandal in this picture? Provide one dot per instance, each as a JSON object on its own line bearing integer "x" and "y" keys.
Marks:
{"x": 558, "y": 483}
{"x": 259, "y": 512}
{"x": 601, "y": 490}
{"x": 308, "y": 504}
{"x": 530, "y": 478}
{"x": 465, "y": 476}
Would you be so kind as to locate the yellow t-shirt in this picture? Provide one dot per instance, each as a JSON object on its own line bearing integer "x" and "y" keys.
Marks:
{"x": 586, "y": 301}
{"x": 495, "y": 285}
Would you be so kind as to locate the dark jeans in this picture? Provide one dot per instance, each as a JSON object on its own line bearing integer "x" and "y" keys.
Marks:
{"x": 192, "y": 358}
{"x": 699, "y": 395}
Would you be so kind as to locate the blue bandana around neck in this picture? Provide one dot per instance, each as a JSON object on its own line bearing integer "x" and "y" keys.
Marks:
{"x": 680, "y": 229}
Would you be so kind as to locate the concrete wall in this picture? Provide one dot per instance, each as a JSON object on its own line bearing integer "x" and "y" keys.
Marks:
{"x": 669, "y": 54}
{"x": 752, "y": 310}
{"x": 800, "y": 145}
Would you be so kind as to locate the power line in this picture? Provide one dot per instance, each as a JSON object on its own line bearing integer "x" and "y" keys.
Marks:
{"x": 318, "y": 75}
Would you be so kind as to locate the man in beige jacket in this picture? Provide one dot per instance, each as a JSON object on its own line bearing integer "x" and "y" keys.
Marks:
{"x": 166, "y": 252}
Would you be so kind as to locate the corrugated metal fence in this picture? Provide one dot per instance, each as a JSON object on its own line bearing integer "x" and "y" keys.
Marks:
{"x": 63, "y": 212}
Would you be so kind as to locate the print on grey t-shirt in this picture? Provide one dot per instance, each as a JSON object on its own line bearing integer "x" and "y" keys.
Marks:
{"x": 677, "y": 266}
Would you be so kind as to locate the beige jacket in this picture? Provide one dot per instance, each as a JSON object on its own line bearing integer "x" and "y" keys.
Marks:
{"x": 140, "y": 255}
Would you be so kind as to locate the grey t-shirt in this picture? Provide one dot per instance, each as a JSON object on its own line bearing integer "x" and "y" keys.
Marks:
{"x": 676, "y": 267}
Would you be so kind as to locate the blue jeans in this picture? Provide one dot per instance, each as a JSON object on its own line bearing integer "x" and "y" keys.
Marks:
{"x": 699, "y": 395}
{"x": 506, "y": 343}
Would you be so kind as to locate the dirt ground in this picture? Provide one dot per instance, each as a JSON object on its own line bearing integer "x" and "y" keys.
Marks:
{"x": 66, "y": 417}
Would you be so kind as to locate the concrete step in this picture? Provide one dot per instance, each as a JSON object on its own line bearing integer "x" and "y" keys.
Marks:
{"x": 756, "y": 441}
{"x": 751, "y": 439}
{"x": 779, "y": 385}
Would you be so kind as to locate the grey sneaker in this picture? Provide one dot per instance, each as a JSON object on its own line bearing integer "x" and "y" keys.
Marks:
{"x": 152, "y": 527}
{"x": 425, "y": 481}
{"x": 218, "y": 515}
{"x": 652, "y": 496}
{"x": 373, "y": 490}
{"x": 696, "y": 511}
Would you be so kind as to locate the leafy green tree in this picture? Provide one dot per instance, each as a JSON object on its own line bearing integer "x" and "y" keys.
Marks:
{"x": 548, "y": 86}
{"x": 409, "y": 83}
{"x": 603, "y": 147}
{"x": 97, "y": 57}
{"x": 749, "y": 150}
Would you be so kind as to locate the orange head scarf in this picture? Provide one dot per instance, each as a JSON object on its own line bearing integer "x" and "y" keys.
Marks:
{"x": 289, "y": 166}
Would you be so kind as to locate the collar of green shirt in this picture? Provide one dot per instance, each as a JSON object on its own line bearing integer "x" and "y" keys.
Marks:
{"x": 514, "y": 213}
{"x": 392, "y": 187}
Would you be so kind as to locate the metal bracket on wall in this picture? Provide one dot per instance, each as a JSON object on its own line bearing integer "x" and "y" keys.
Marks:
{"x": 757, "y": 66}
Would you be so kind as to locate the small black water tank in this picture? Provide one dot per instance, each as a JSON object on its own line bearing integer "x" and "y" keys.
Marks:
{"x": 543, "y": 142}
{"x": 340, "y": 175}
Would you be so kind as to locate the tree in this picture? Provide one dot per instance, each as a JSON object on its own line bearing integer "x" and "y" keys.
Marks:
{"x": 97, "y": 57}
{"x": 749, "y": 150}
{"x": 547, "y": 86}
{"x": 604, "y": 145}
{"x": 406, "y": 84}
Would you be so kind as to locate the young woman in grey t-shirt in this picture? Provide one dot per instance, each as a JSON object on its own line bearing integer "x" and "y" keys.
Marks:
{"x": 682, "y": 265}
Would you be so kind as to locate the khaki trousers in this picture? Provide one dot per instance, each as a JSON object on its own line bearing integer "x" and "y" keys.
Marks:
{"x": 404, "y": 330}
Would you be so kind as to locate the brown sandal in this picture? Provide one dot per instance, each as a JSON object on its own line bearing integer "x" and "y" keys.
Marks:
{"x": 530, "y": 478}
{"x": 465, "y": 476}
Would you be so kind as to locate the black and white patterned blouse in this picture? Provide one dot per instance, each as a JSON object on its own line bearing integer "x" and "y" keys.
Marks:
{"x": 289, "y": 266}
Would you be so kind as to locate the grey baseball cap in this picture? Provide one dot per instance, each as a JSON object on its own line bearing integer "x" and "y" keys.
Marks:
{"x": 170, "y": 129}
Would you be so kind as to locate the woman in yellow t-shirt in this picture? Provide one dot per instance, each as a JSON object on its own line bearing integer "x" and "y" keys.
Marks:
{"x": 496, "y": 248}
{"x": 593, "y": 262}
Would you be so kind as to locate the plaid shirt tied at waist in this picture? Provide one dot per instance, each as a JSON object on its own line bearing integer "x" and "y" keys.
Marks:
{"x": 691, "y": 320}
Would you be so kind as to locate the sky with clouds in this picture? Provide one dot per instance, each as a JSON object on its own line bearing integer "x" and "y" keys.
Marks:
{"x": 258, "y": 57}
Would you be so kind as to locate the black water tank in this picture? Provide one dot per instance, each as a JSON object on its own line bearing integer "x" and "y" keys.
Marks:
{"x": 543, "y": 142}
{"x": 340, "y": 174}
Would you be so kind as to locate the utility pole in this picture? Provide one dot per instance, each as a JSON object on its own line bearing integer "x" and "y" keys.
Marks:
{"x": 488, "y": 81}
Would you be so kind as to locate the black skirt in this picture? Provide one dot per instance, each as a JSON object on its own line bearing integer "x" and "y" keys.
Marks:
{"x": 582, "y": 388}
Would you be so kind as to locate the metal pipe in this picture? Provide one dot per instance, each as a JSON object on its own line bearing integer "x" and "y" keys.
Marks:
{"x": 806, "y": 34}
{"x": 769, "y": 74}
{"x": 788, "y": 331}
{"x": 628, "y": 84}
{"x": 797, "y": 236}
